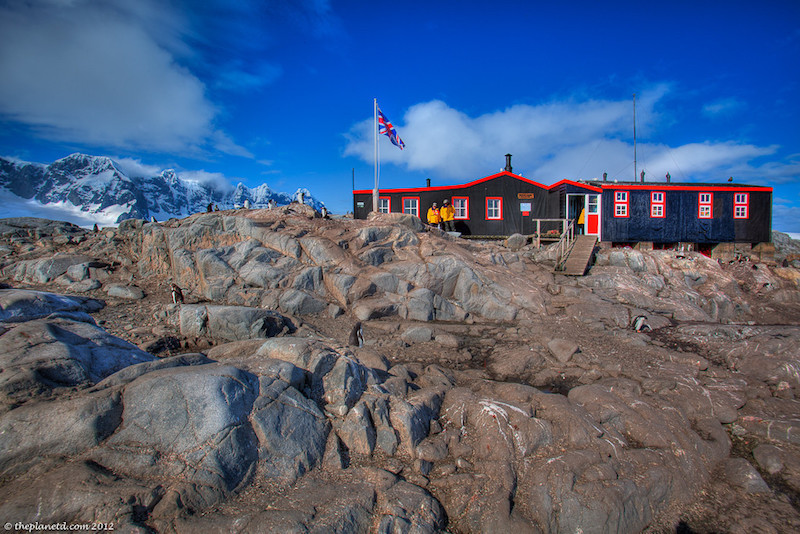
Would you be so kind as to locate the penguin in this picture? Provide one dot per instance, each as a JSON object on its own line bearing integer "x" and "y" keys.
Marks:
{"x": 177, "y": 295}
{"x": 356, "y": 336}
{"x": 640, "y": 324}
{"x": 96, "y": 228}
{"x": 153, "y": 219}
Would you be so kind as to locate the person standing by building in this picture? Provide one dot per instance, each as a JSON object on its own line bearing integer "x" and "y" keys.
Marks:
{"x": 448, "y": 215}
{"x": 433, "y": 215}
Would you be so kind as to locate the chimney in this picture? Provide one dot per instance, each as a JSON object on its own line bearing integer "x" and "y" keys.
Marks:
{"x": 641, "y": 175}
{"x": 668, "y": 177}
{"x": 427, "y": 182}
{"x": 605, "y": 176}
{"x": 508, "y": 163}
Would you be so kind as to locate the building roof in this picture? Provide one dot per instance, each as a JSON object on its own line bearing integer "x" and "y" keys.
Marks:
{"x": 593, "y": 185}
{"x": 585, "y": 185}
{"x": 684, "y": 186}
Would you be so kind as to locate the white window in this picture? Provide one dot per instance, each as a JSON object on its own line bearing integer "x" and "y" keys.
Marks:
{"x": 620, "y": 204}
{"x": 384, "y": 205}
{"x": 705, "y": 201}
{"x": 594, "y": 204}
{"x": 461, "y": 205}
{"x": 411, "y": 206}
{"x": 741, "y": 205}
{"x": 494, "y": 208}
{"x": 657, "y": 207}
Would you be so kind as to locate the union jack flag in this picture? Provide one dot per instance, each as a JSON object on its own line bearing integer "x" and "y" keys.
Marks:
{"x": 385, "y": 127}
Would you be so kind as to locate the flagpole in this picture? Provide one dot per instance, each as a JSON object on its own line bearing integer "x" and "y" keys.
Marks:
{"x": 375, "y": 138}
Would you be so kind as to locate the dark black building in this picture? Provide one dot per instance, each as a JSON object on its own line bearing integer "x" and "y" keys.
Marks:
{"x": 616, "y": 212}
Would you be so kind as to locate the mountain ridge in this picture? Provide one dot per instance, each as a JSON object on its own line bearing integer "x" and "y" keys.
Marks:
{"x": 102, "y": 189}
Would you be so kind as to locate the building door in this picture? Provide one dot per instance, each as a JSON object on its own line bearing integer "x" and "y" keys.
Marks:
{"x": 593, "y": 215}
{"x": 590, "y": 206}
{"x": 575, "y": 205}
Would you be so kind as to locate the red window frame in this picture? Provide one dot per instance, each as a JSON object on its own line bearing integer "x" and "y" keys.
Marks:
{"x": 621, "y": 204}
{"x": 707, "y": 204}
{"x": 741, "y": 205}
{"x": 658, "y": 208}
{"x": 388, "y": 204}
{"x": 500, "y": 206}
{"x": 466, "y": 207}
{"x": 403, "y": 200}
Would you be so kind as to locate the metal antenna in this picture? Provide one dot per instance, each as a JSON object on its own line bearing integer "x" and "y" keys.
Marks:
{"x": 635, "y": 173}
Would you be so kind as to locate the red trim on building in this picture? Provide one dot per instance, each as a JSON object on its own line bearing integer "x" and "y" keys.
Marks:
{"x": 610, "y": 186}
{"x": 662, "y": 186}
{"x": 475, "y": 182}
{"x": 388, "y": 199}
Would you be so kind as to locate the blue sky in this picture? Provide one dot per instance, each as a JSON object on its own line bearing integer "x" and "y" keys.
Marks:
{"x": 281, "y": 92}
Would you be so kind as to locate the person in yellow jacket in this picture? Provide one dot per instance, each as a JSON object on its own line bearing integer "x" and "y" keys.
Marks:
{"x": 448, "y": 215}
{"x": 433, "y": 215}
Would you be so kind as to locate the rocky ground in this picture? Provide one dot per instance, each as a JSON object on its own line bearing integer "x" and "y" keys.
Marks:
{"x": 490, "y": 394}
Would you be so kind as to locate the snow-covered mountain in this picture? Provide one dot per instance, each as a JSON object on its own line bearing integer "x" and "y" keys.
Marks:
{"x": 96, "y": 189}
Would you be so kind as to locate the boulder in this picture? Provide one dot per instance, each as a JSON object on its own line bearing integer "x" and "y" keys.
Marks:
{"x": 768, "y": 458}
{"x": 417, "y": 334}
{"x": 124, "y": 292}
{"x": 96, "y": 496}
{"x": 17, "y": 305}
{"x": 562, "y": 349}
{"x": 375, "y": 308}
{"x": 63, "y": 429}
{"x": 411, "y": 418}
{"x": 296, "y": 302}
{"x": 44, "y": 355}
{"x": 514, "y": 363}
{"x": 230, "y": 323}
{"x": 190, "y": 422}
{"x": 741, "y": 473}
{"x": 132, "y": 372}
{"x": 48, "y": 269}
{"x": 516, "y": 241}
{"x": 291, "y": 430}
{"x": 358, "y": 431}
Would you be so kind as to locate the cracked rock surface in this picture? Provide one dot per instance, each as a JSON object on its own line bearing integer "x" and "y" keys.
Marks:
{"x": 490, "y": 394}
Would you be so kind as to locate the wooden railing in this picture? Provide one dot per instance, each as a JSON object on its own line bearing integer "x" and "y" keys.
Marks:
{"x": 565, "y": 245}
{"x": 564, "y": 226}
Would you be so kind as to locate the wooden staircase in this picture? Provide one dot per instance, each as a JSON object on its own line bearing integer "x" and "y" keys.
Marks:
{"x": 579, "y": 256}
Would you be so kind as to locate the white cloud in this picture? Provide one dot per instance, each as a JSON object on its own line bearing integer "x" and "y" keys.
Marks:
{"x": 722, "y": 106}
{"x": 104, "y": 74}
{"x": 561, "y": 139}
{"x": 215, "y": 180}
{"x": 135, "y": 168}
